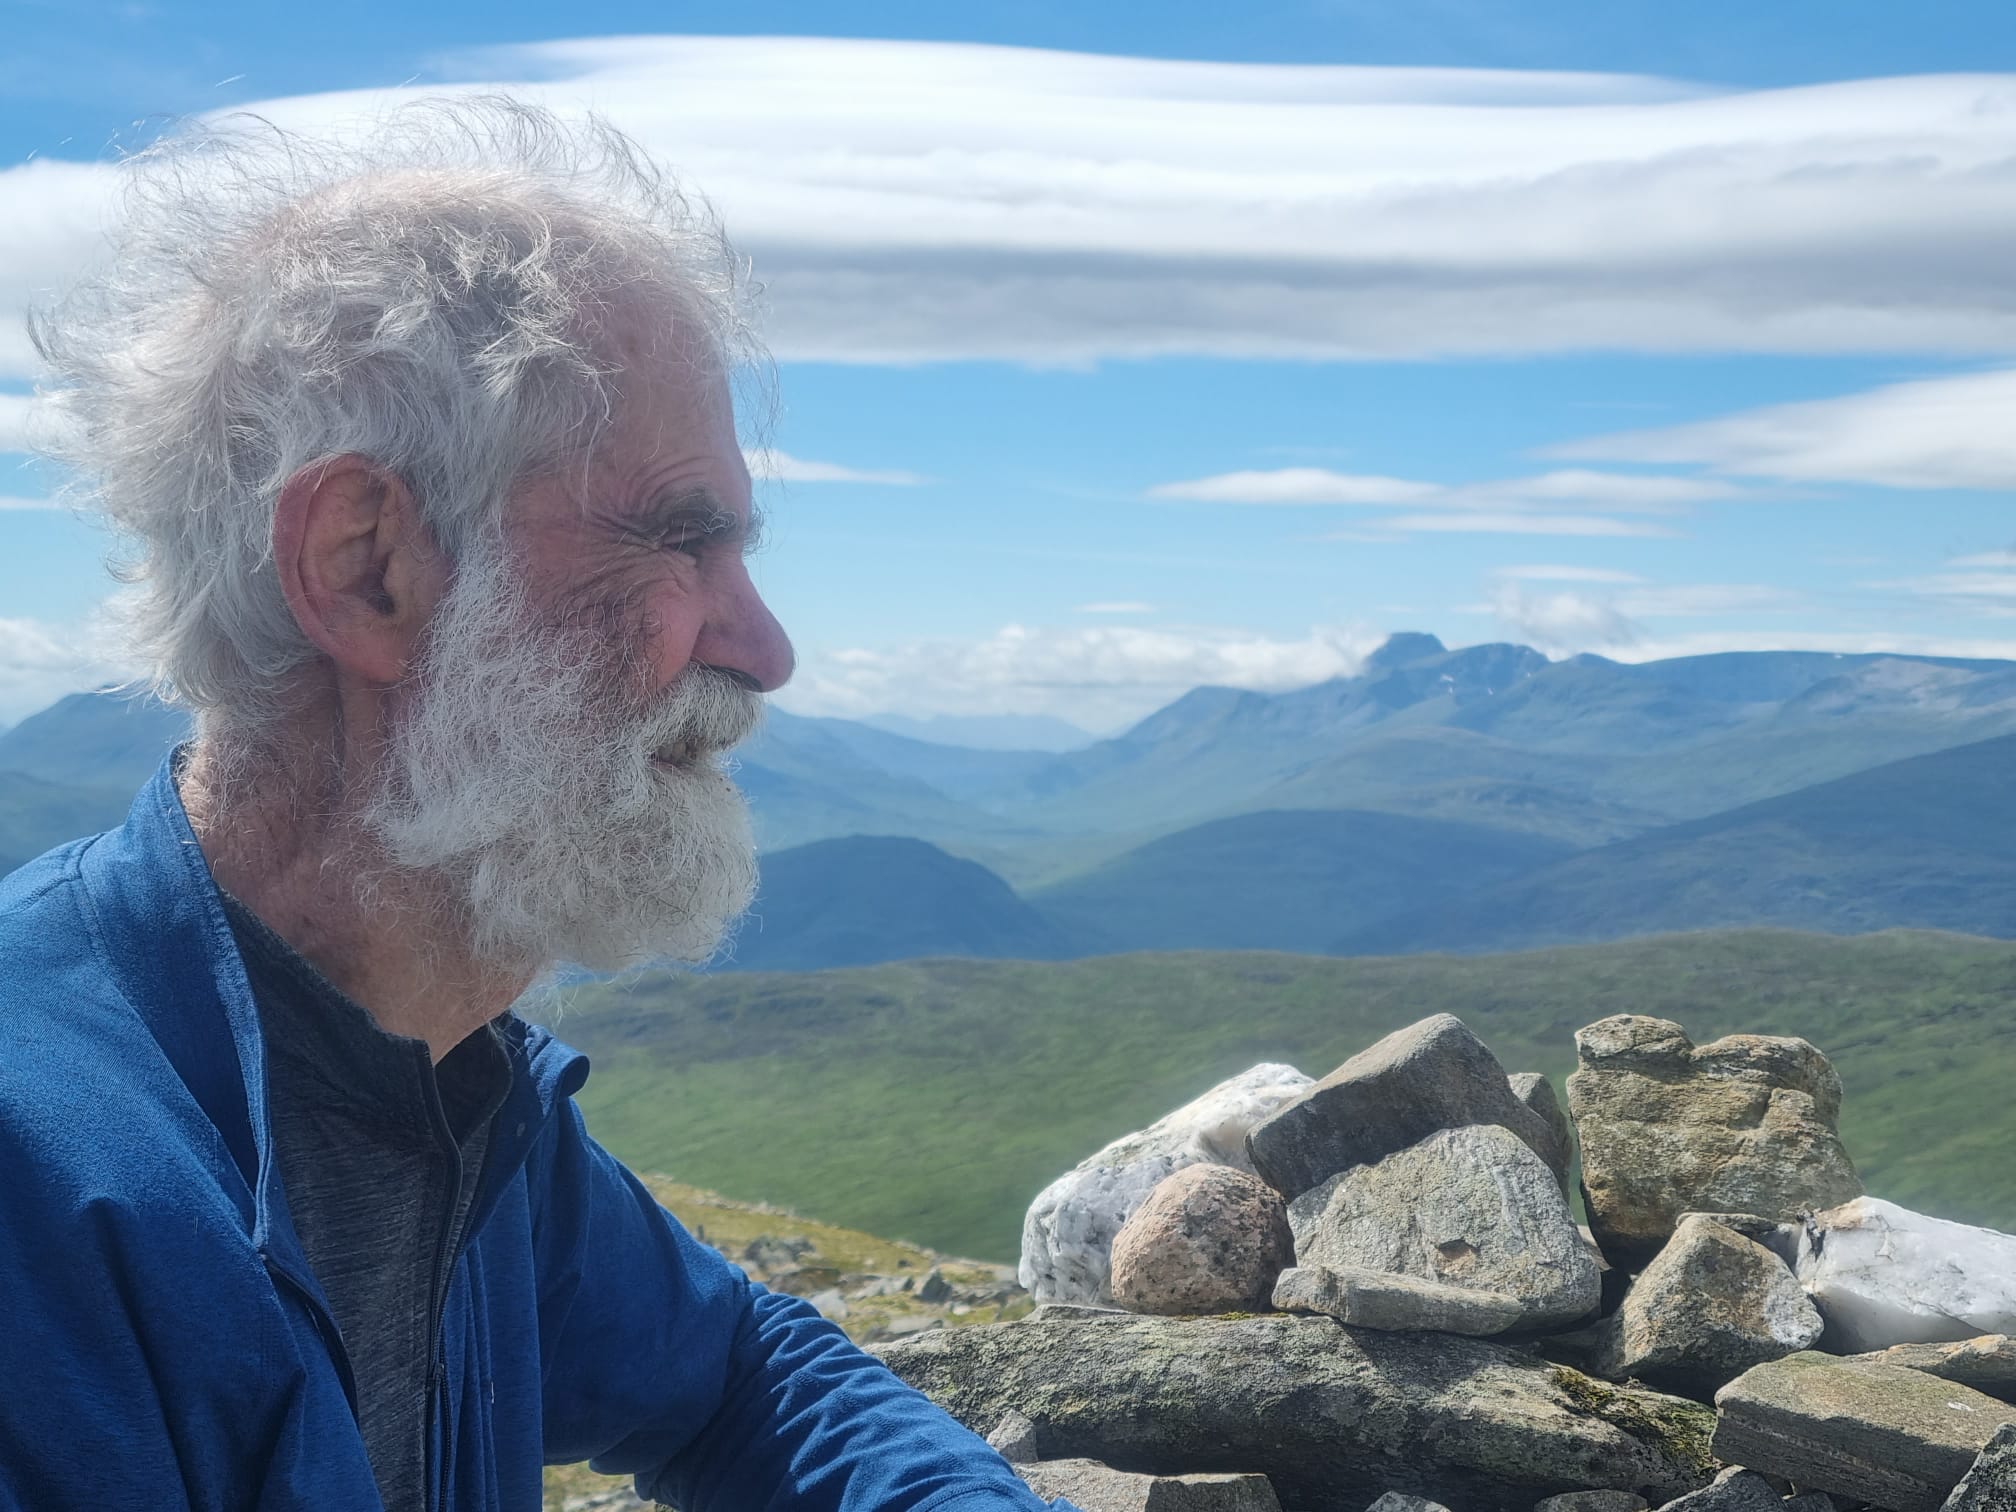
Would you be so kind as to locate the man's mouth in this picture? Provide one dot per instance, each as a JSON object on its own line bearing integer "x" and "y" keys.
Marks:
{"x": 681, "y": 753}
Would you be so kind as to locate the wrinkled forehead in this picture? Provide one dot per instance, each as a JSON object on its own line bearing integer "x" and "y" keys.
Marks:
{"x": 665, "y": 445}
{"x": 668, "y": 377}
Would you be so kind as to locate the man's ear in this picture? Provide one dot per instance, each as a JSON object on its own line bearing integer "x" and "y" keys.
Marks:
{"x": 359, "y": 568}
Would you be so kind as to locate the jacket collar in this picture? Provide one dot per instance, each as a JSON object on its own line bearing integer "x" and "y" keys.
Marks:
{"x": 162, "y": 928}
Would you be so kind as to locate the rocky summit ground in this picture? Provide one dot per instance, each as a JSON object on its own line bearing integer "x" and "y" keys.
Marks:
{"x": 1742, "y": 1327}
{"x": 1369, "y": 1292}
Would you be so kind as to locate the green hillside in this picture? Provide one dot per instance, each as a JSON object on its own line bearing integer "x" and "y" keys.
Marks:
{"x": 1927, "y": 843}
{"x": 870, "y": 898}
{"x": 931, "y": 1100}
{"x": 1282, "y": 880}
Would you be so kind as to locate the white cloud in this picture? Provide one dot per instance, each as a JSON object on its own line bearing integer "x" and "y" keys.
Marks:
{"x": 1541, "y": 572}
{"x": 40, "y": 662}
{"x": 14, "y": 412}
{"x": 1099, "y": 674}
{"x": 1693, "y": 600}
{"x": 1568, "y": 621}
{"x": 1295, "y": 485}
{"x": 52, "y": 216}
{"x": 1488, "y": 522}
{"x": 912, "y": 201}
{"x": 1551, "y": 504}
{"x": 1123, "y": 606}
{"x": 1955, "y": 432}
{"x": 1990, "y": 559}
{"x": 1563, "y": 622}
{"x": 1640, "y": 493}
{"x": 781, "y": 467}
{"x": 1972, "y": 589}
{"x": 8, "y": 502}
{"x": 1108, "y": 675}
{"x": 1842, "y": 642}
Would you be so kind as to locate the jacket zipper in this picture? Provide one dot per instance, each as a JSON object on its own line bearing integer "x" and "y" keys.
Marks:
{"x": 444, "y": 1263}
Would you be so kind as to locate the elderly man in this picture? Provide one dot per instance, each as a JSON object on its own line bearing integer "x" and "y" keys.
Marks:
{"x": 426, "y": 449}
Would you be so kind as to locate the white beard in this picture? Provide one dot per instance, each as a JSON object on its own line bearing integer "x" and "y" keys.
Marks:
{"x": 523, "y": 778}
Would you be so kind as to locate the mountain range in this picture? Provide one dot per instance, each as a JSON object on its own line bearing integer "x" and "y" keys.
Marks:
{"x": 1481, "y": 798}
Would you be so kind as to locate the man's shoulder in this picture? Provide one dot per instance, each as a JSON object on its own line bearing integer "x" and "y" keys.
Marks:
{"x": 58, "y": 992}
{"x": 60, "y": 1000}
{"x": 38, "y": 890}
{"x": 93, "y": 1116}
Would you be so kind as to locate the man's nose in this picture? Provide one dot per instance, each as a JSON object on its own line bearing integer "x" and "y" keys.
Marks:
{"x": 745, "y": 639}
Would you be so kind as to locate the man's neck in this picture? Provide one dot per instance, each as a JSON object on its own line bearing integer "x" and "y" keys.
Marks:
{"x": 286, "y": 847}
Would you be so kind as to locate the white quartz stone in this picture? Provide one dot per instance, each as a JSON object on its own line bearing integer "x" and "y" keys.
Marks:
{"x": 1067, "y": 1237}
{"x": 1884, "y": 1275}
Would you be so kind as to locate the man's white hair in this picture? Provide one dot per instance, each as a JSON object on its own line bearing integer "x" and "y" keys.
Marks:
{"x": 428, "y": 294}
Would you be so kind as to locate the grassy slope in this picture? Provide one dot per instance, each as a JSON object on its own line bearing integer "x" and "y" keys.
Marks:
{"x": 933, "y": 1099}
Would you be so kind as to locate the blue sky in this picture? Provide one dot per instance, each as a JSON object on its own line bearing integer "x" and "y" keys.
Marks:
{"x": 1676, "y": 331}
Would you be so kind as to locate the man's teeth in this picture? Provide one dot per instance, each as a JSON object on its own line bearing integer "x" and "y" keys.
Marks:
{"x": 679, "y": 753}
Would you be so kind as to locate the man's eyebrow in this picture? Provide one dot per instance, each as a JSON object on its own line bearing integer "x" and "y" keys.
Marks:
{"x": 697, "y": 516}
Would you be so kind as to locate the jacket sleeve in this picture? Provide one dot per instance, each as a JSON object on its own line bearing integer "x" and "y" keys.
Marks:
{"x": 664, "y": 1362}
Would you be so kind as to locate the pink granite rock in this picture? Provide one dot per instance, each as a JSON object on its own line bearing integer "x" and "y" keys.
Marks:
{"x": 1209, "y": 1239}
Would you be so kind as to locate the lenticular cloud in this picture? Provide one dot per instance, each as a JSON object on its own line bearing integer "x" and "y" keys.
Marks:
{"x": 911, "y": 201}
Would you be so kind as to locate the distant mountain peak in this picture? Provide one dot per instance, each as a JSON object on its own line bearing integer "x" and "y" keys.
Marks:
{"x": 1403, "y": 649}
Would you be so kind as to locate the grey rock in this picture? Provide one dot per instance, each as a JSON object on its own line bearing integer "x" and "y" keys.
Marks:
{"x": 1417, "y": 1081}
{"x": 879, "y": 1286}
{"x": 1988, "y": 1363}
{"x": 1882, "y": 1275}
{"x": 1711, "y": 1306}
{"x": 1766, "y": 1231}
{"x": 830, "y": 1303}
{"x": 1471, "y": 1207}
{"x": 1594, "y": 1501}
{"x": 907, "y": 1324}
{"x": 1067, "y": 1234}
{"x": 1380, "y": 1299}
{"x": 616, "y": 1499}
{"x": 1071, "y": 1312}
{"x": 1209, "y": 1239}
{"x": 934, "y": 1288}
{"x": 1990, "y": 1486}
{"x": 1743, "y": 1491}
{"x": 1393, "y": 1501}
{"x": 1016, "y": 1439}
{"x": 1332, "y": 1415}
{"x": 1743, "y": 1125}
{"x": 1808, "y": 1501}
{"x": 767, "y": 1252}
{"x": 1537, "y": 1093}
{"x": 1898, "y": 1438}
{"x": 1093, "y": 1487}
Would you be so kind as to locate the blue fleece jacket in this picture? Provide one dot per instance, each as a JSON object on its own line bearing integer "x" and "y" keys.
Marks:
{"x": 163, "y": 1344}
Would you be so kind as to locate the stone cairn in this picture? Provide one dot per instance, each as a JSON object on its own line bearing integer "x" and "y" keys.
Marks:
{"x": 1369, "y": 1293}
